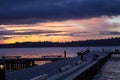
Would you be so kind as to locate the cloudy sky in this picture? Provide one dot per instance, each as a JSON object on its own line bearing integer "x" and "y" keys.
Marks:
{"x": 58, "y": 20}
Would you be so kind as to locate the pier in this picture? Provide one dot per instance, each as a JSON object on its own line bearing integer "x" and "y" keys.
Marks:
{"x": 66, "y": 69}
{"x": 13, "y": 63}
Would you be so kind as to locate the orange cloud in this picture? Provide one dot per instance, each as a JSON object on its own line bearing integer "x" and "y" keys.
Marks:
{"x": 93, "y": 26}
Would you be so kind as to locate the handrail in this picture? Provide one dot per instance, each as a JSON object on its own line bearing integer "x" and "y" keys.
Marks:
{"x": 41, "y": 77}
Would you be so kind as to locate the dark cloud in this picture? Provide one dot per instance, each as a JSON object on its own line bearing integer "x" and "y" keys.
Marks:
{"x": 34, "y": 32}
{"x": 85, "y": 34}
{"x": 60, "y": 26}
{"x": 90, "y": 34}
{"x": 4, "y": 38}
{"x": 57, "y": 34}
{"x": 109, "y": 33}
{"x": 72, "y": 34}
{"x": 33, "y": 11}
{"x": 79, "y": 34}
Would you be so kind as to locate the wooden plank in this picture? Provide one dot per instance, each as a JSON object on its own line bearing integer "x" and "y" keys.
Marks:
{"x": 41, "y": 77}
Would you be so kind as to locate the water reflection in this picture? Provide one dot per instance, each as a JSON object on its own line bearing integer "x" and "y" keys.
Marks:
{"x": 110, "y": 71}
{"x": 38, "y": 52}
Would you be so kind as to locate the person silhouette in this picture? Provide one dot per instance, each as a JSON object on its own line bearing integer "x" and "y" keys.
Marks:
{"x": 87, "y": 50}
{"x": 65, "y": 53}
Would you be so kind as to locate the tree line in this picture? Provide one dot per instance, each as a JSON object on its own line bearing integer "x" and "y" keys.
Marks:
{"x": 99, "y": 42}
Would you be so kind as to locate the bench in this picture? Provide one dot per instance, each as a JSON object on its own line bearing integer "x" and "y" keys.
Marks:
{"x": 64, "y": 68}
{"x": 52, "y": 56}
{"x": 78, "y": 62}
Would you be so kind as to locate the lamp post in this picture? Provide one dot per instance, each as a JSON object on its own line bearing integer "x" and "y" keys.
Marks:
{"x": 2, "y": 71}
{"x": 65, "y": 53}
{"x": 81, "y": 54}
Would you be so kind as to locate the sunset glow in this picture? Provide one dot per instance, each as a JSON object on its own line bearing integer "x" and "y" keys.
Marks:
{"x": 59, "y": 31}
{"x": 58, "y": 21}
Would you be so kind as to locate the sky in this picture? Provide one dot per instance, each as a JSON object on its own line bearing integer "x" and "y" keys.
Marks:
{"x": 58, "y": 20}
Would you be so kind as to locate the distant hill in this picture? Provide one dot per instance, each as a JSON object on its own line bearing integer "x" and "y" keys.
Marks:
{"x": 99, "y": 42}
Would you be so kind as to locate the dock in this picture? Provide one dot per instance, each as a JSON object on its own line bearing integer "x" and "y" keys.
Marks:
{"x": 66, "y": 69}
{"x": 13, "y": 63}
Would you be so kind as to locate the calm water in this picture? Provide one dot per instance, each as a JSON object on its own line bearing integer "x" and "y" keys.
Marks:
{"x": 38, "y": 52}
{"x": 111, "y": 70}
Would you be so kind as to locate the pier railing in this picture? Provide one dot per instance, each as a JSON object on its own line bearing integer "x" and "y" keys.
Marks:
{"x": 67, "y": 69}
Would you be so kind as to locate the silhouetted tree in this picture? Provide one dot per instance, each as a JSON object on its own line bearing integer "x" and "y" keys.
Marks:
{"x": 101, "y": 42}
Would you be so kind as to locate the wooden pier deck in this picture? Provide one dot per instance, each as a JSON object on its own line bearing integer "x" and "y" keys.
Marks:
{"x": 12, "y": 64}
{"x": 53, "y": 69}
{"x": 50, "y": 69}
{"x": 33, "y": 59}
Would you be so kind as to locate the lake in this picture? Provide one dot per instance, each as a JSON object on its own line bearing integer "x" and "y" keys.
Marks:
{"x": 38, "y": 52}
{"x": 111, "y": 70}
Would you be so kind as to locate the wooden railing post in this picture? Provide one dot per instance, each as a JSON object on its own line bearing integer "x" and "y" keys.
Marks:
{"x": 2, "y": 71}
